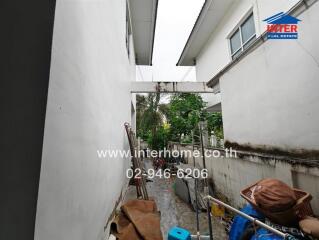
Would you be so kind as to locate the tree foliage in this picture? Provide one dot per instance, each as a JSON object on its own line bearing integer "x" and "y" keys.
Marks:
{"x": 215, "y": 124}
{"x": 159, "y": 123}
{"x": 151, "y": 119}
{"x": 186, "y": 110}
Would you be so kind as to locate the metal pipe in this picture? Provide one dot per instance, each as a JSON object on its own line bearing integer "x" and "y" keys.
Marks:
{"x": 202, "y": 145}
{"x": 196, "y": 197}
{"x": 210, "y": 227}
{"x": 254, "y": 220}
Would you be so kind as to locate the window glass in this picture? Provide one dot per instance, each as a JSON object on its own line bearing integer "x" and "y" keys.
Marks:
{"x": 235, "y": 43}
{"x": 244, "y": 35}
{"x": 247, "y": 44}
{"x": 248, "y": 28}
{"x": 236, "y": 53}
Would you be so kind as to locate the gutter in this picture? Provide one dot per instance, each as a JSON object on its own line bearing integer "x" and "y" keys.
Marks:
{"x": 262, "y": 38}
{"x": 295, "y": 11}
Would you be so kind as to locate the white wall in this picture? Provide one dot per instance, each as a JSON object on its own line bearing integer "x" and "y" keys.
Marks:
{"x": 231, "y": 175}
{"x": 215, "y": 55}
{"x": 211, "y": 98}
{"x": 88, "y": 103}
{"x": 271, "y": 96}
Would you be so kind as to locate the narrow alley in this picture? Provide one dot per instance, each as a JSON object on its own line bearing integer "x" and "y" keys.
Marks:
{"x": 85, "y": 85}
{"x": 174, "y": 211}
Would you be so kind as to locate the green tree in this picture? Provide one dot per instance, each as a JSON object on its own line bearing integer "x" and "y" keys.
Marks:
{"x": 215, "y": 123}
{"x": 141, "y": 106}
{"x": 159, "y": 123}
{"x": 185, "y": 112}
{"x": 151, "y": 117}
{"x": 159, "y": 139}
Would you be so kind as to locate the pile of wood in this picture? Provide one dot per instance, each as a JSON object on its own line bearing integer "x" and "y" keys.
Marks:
{"x": 139, "y": 181}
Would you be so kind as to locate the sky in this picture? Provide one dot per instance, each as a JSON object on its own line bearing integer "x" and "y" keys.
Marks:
{"x": 175, "y": 20}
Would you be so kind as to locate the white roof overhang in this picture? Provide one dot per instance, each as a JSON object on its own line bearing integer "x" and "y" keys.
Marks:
{"x": 143, "y": 18}
{"x": 211, "y": 14}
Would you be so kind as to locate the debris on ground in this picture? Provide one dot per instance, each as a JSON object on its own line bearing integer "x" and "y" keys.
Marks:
{"x": 279, "y": 207}
{"x": 174, "y": 211}
{"x": 137, "y": 220}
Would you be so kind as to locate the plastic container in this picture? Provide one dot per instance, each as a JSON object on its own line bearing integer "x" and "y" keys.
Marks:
{"x": 217, "y": 210}
{"x": 177, "y": 233}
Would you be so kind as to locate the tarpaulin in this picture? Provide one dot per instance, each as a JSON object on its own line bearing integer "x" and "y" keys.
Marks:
{"x": 139, "y": 219}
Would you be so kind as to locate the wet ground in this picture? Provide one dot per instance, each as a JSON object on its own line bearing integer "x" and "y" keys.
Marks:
{"x": 175, "y": 212}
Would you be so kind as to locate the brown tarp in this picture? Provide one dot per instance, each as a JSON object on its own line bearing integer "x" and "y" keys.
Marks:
{"x": 139, "y": 219}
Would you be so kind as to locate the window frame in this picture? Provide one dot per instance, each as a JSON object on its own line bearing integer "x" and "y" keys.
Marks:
{"x": 239, "y": 28}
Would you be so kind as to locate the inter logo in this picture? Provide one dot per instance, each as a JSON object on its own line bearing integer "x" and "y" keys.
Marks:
{"x": 282, "y": 26}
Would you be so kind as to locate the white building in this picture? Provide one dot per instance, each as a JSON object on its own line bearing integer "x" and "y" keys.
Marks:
{"x": 65, "y": 110}
{"x": 267, "y": 88}
{"x": 267, "y": 91}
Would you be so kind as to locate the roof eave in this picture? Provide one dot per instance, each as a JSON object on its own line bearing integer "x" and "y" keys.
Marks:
{"x": 144, "y": 54}
{"x": 195, "y": 28}
{"x": 153, "y": 32}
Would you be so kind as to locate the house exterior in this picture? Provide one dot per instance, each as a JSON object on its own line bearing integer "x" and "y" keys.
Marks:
{"x": 74, "y": 62}
{"x": 265, "y": 88}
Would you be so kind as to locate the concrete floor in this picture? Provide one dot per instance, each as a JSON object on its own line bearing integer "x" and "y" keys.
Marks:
{"x": 175, "y": 212}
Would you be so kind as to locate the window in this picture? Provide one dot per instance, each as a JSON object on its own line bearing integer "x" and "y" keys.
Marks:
{"x": 243, "y": 36}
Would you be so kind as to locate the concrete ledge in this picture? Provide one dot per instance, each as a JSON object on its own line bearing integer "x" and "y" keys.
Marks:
{"x": 170, "y": 87}
{"x": 230, "y": 175}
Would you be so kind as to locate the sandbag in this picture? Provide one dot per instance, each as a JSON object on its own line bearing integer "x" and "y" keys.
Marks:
{"x": 310, "y": 226}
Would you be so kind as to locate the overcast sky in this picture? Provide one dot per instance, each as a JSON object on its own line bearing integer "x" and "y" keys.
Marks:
{"x": 175, "y": 20}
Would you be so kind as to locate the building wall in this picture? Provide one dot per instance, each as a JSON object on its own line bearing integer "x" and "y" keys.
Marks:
{"x": 231, "y": 175}
{"x": 212, "y": 99}
{"x": 88, "y": 102}
{"x": 270, "y": 97}
{"x": 216, "y": 53}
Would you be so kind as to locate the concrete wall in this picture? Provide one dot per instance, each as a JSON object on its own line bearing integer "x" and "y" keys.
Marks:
{"x": 270, "y": 97}
{"x": 88, "y": 102}
{"x": 215, "y": 55}
{"x": 231, "y": 175}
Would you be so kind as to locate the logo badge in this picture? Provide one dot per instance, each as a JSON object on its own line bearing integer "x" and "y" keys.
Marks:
{"x": 282, "y": 26}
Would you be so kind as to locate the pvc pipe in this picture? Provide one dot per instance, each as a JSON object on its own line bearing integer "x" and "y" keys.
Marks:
{"x": 254, "y": 220}
{"x": 194, "y": 237}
